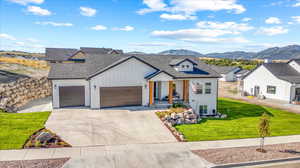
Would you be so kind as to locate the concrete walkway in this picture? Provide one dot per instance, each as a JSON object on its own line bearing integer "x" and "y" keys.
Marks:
{"x": 40, "y": 105}
{"x": 79, "y": 152}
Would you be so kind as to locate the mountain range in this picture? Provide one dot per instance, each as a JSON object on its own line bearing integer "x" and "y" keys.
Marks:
{"x": 274, "y": 53}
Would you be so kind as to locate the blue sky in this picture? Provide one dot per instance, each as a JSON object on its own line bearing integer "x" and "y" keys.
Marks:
{"x": 149, "y": 25}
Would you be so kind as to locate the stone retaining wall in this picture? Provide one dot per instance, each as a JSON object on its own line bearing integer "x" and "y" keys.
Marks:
{"x": 16, "y": 94}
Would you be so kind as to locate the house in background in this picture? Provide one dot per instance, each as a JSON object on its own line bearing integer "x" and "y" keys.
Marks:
{"x": 229, "y": 73}
{"x": 59, "y": 55}
{"x": 89, "y": 77}
{"x": 275, "y": 80}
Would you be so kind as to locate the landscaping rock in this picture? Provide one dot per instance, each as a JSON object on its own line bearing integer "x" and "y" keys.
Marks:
{"x": 16, "y": 94}
{"x": 44, "y": 137}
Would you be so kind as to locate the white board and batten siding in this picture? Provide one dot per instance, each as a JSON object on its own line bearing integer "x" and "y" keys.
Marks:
{"x": 210, "y": 100}
{"x": 129, "y": 73}
{"x": 262, "y": 77}
{"x": 72, "y": 82}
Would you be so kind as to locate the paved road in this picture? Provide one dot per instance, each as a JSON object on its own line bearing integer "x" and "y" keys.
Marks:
{"x": 85, "y": 127}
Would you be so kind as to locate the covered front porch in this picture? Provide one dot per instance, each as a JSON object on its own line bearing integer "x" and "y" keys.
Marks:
{"x": 165, "y": 90}
{"x": 168, "y": 92}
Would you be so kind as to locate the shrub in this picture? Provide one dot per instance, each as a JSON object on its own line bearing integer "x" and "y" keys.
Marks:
{"x": 178, "y": 105}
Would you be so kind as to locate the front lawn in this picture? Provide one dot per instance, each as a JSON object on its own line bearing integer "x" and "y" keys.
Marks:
{"x": 242, "y": 122}
{"x": 16, "y": 128}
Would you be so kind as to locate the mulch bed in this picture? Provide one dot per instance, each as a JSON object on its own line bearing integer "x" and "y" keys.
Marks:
{"x": 52, "y": 141}
{"x": 249, "y": 154}
{"x": 43, "y": 163}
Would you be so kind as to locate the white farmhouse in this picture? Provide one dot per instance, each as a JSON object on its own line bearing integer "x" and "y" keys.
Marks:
{"x": 229, "y": 73}
{"x": 275, "y": 80}
{"x": 98, "y": 78}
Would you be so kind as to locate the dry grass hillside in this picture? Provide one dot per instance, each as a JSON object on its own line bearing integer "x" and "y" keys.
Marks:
{"x": 33, "y": 68}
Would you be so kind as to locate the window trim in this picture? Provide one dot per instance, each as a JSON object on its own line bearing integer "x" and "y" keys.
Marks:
{"x": 271, "y": 91}
{"x": 204, "y": 109}
{"x": 206, "y": 87}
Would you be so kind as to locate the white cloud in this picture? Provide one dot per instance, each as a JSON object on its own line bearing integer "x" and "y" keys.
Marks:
{"x": 86, "y": 11}
{"x": 55, "y": 24}
{"x": 7, "y": 36}
{"x": 177, "y": 17}
{"x": 99, "y": 27}
{"x": 297, "y": 4}
{"x": 230, "y": 26}
{"x": 154, "y": 5}
{"x": 32, "y": 40}
{"x": 19, "y": 43}
{"x": 271, "y": 31}
{"x": 190, "y": 7}
{"x": 296, "y": 18}
{"x": 126, "y": 28}
{"x": 208, "y": 32}
{"x": 153, "y": 44}
{"x": 38, "y": 11}
{"x": 25, "y": 2}
{"x": 246, "y": 19}
{"x": 29, "y": 45}
{"x": 273, "y": 20}
{"x": 189, "y": 33}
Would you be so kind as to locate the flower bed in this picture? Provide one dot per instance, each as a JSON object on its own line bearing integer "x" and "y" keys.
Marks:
{"x": 45, "y": 139}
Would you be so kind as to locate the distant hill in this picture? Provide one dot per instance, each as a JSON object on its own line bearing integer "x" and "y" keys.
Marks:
{"x": 233, "y": 55}
{"x": 287, "y": 52}
{"x": 135, "y": 52}
{"x": 181, "y": 52}
{"x": 275, "y": 53}
{"x": 21, "y": 54}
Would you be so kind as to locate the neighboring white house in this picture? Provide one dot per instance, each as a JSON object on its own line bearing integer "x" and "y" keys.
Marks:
{"x": 96, "y": 80}
{"x": 229, "y": 73}
{"x": 275, "y": 80}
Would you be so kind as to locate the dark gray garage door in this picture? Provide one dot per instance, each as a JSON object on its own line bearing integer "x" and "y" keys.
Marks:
{"x": 71, "y": 96}
{"x": 120, "y": 96}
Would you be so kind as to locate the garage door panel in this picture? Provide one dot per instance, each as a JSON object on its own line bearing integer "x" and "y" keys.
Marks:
{"x": 120, "y": 96}
{"x": 71, "y": 96}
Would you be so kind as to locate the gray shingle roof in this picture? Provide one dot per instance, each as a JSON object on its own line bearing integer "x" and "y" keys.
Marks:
{"x": 223, "y": 69}
{"x": 283, "y": 71}
{"x": 97, "y": 63}
{"x": 59, "y": 54}
{"x": 178, "y": 61}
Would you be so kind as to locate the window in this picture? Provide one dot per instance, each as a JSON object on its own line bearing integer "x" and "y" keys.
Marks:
{"x": 199, "y": 88}
{"x": 271, "y": 89}
{"x": 208, "y": 88}
{"x": 187, "y": 66}
{"x": 203, "y": 109}
{"x": 182, "y": 66}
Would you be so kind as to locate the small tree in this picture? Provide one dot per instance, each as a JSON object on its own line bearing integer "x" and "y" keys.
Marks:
{"x": 264, "y": 130}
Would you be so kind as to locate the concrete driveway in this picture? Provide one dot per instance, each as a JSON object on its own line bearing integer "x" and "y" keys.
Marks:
{"x": 85, "y": 127}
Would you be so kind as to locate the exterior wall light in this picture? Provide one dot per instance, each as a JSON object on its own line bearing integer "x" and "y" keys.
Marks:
{"x": 95, "y": 87}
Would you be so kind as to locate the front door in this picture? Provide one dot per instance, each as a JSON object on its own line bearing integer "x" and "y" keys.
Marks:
{"x": 297, "y": 91}
{"x": 256, "y": 90}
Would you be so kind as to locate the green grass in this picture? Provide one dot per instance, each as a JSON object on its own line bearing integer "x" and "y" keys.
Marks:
{"x": 242, "y": 122}
{"x": 16, "y": 128}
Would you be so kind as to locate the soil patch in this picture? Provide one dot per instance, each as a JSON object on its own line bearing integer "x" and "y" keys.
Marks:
{"x": 249, "y": 154}
{"x": 43, "y": 163}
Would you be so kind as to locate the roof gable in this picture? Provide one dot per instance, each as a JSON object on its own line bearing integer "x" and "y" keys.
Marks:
{"x": 176, "y": 62}
{"x": 115, "y": 64}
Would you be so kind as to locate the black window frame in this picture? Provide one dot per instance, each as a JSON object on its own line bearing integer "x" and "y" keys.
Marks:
{"x": 271, "y": 89}
{"x": 208, "y": 90}
{"x": 203, "y": 109}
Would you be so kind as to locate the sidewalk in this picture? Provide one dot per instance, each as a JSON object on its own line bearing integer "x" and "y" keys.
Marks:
{"x": 77, "y": 152}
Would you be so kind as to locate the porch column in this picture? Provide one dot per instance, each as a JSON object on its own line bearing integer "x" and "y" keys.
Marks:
{"x": 151, "y": 84}
{"x": 170, "y": 92}
{"x": 185, "y": 90}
